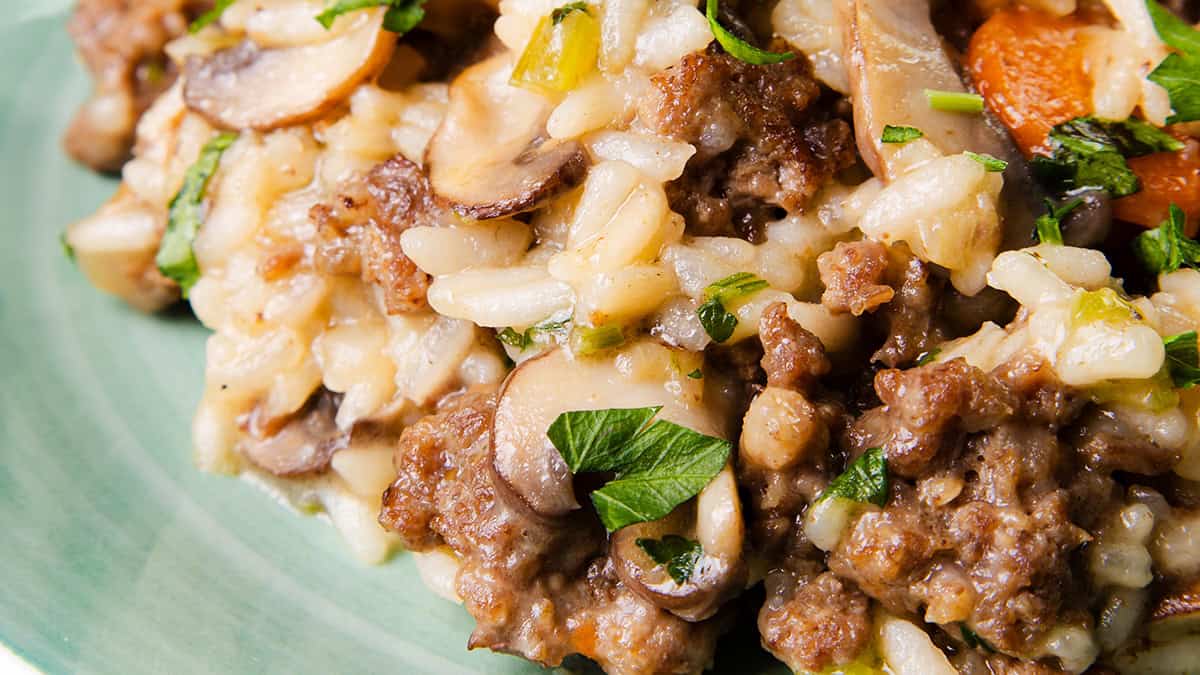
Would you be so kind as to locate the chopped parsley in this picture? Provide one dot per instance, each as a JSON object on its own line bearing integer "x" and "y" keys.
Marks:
{"x": 677, "y": 554}
{"x": 1091, "y": 152}
{"x": 1183, "y": 361}
{"x": 737, "y": 47}
{"x": 929, "y": 356}
{"x": 1166, "y": 248}
{"x": 1048, "y": 226}
{"x": 992, "y": 164}
{"x": 657, "y": 466}
{"x": 893, "y": 134}
{"x": 528, "y": 338}
{"x": 1179, "y": 73}
{"x": 561, "y": 13}
{"x": 590, "y": 340}
{"x": 175, "y": 258}
{"x": 210, "y": 17}
{"x": 718, "y": 321}
{"x": 401, "y": 17}
{"x": 954, "y": 101}
{"x": 864, "y": 480}
{"x": 696, "y": 374}
{"x": 973, "y": 640}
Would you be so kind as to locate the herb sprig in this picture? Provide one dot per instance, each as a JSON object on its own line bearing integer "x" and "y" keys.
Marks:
{"x": 1091, "y": 152}
{"x": 1166, "y": 248}
{"x": 717, "y": 320}
{"x": 865, "y": 480}
{"x": 737, "y": 47}
{"x": 678, "y": 555}
{"x": 401, "y": 17}
{"x": 210, "y": 17}
{"x": 900, "y": 135}
{"x": 1183, "y": 359}
{"x": 1179, "y": 73}
{"x": 1049, "y": 225}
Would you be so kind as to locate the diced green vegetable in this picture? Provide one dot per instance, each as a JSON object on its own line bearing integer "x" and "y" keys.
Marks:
{"x": 591, "y": 340}
{"x": 209, "y": 17}
{"x": 893, "y": 134}
{"x": 561, "y": 52}
{"x": 658, "y": 467}
{"x": 1183, "y": 361}
{"x": 865, "y": 480}
{"x": 718, "y": 321}
{"x": 954, "y": 101}
{"x": 737, "y": 47}
{"x": 1166, "y": 248}
{"x": 992, "y": 164}
{"x": 1049, "y": 224}
{"x": 677, "y": 554}
{"x": 401, "y": 17}
{"x": 1091, "y": 152}
{"x": 175, "y": 258}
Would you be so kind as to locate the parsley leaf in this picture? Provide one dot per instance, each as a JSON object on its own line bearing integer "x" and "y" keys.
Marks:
{"x": 1179, "y": 73}
{"x": 209, "y": 17}
{"x": 657, "y": 467}
{"x": 1090, "y": 152}
{"x": 864, "y": 480}
{"x": 1166, "y": 248}
{"x": 1183, "y": 361}
{"x": 992, "y": 164}
{"x": 401, "y": 17}
{"x": 954, "y": 101}
{"x": 718, "y": 322}
{"x": 677, "y": 554}
{"x": 737, "y": 47}
{"x": 175, "y": 258}
{"x": 893, "y": 134}
{"x": 561, "y": 13}
{"x": 1049, "y": 224}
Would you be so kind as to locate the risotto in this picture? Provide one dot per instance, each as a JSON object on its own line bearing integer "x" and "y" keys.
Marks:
{"x": 631, "y": 319}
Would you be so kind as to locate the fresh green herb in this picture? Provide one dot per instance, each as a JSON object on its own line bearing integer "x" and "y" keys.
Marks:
{"x": 929, "y": 356}
{"x": 175, "y": 258}
{"x": 401, "y": 17}
{"x": 893, "y": 134}
{"x": 590, "y": 340}
{"x": 67, "y": 249}
{"x": 696, "y": 374}
{"x": 1049, "y": 224}
{"x": 657, "y": 467}
{"x": 718, "y": 322}
{"x": 973, "y": 640}
{"x": 1090, "y": 152}
{"x": 1166, "y": 248}
{"x": 739, "y": 48}
{"x": 527, "y": 339}
{"x": 954, "y": 101}
{"x": 1179, "y": 73}
{"x": 864, "y": 480}
{"x": 561, "y": 13}
{"x": 514, "y": 339}
{"x": 677, "y": 554}
{"x": 992, "y": 164}
{"x": 209, "y": 17}
{"x": 1183, "y": 361}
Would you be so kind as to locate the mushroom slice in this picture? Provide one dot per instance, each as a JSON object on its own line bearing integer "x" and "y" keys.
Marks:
{"x": 545, "y": 386}
{"x": 1177, "y": 612}
{"x": 513, "y": 165}
{"x": 250, "y": 87}
{"x": 894, "y": 55}
{"x": 301, "y": 443}
{"x": 714, "y": 520}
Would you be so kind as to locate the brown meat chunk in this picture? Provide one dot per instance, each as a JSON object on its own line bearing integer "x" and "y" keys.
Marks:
{"x": 301, "y": 443}
{"x": 913, "y": 326}
{"x": 764, "y": 144}
{"x": 852, "y": 274}
{"x": 121, "y": 42}
{"x": 814, "y": 623}
{"x": 540, "y": 588}
{"x": 1106, "y": 442}
{"x": 360, "y": 231}
{"x": 793, "y": 358}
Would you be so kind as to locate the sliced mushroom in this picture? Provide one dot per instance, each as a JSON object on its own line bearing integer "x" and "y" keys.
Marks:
{"x": 250, "y": 87}
{"x": 714, "y": 519}
{"x": 894, "y": 55}
{"x": 301, "y": 443}
{"x": 1177, "y": 612}
{"x": 513, "y": 165}
{"x": 543, "y": 387}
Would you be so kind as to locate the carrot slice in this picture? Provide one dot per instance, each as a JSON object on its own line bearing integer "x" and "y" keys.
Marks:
{"x": 1028, "y": 65}
{"x": 1167, "y": 178}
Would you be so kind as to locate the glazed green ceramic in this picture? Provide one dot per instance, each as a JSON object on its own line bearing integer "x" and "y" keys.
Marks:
{"x": 118, "y": 556}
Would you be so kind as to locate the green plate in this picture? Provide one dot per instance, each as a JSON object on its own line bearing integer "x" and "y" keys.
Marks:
{"x": 119, "y": 556}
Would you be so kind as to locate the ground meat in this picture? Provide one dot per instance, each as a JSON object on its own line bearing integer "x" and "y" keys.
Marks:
{"x": 815, "y": 623}
{"x": 121, "y": 43}
{"x": 1106, "y": 442}
{"x": 360, "y": 231}
{"x": 764, "y": 145}
{"x": 852, "y": 274}
{"x": 541, "y": 588}
{"x": 912, "y": 317}
{"x": 793, "y": 358}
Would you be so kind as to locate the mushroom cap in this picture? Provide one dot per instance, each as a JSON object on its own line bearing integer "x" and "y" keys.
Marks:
{"x": 491, "y": 156}
{"x": 251, "y": 87}
{"x": 1177, "y": 612}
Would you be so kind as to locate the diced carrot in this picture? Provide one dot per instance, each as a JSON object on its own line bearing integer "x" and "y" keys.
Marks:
{"x": 1167, "y": 178}
{"x": 1028, "y": 65}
